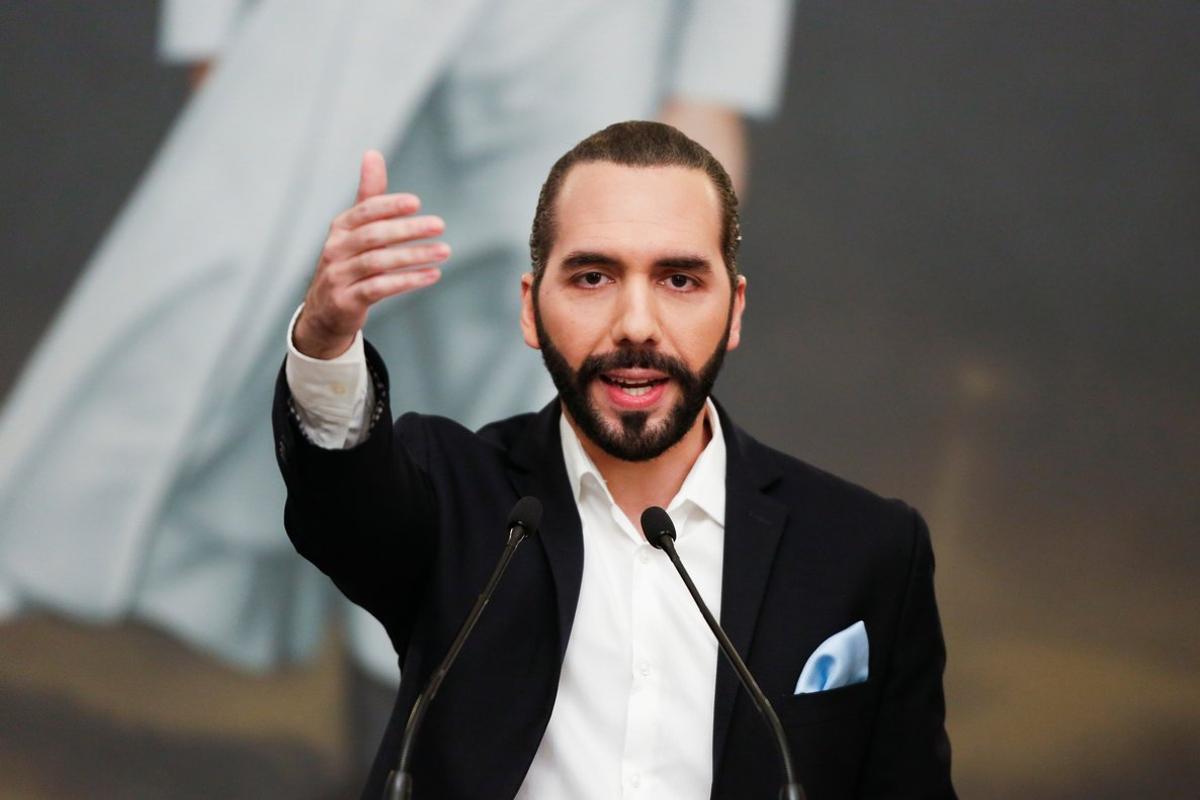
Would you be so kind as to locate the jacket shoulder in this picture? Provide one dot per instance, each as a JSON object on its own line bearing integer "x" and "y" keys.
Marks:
{"x": 505, "y": 433}
{"x": 837, "y": 505}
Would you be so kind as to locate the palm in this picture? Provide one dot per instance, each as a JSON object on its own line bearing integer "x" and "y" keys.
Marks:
{"x": 375, "y": 249}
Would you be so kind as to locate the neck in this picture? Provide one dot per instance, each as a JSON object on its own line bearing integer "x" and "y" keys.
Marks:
{"x": 637, "y": 485}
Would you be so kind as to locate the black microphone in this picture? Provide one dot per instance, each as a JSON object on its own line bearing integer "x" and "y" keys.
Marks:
{"x": 660, "y": 532}
{"x": 523, "y": 521}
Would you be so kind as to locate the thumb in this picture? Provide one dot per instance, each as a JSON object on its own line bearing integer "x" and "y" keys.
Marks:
{"x": 372, "y": 178}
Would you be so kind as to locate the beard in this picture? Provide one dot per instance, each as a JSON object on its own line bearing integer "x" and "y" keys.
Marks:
{"x": 635, "y": 439}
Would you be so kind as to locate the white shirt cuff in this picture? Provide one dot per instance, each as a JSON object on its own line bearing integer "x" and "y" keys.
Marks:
{"x": 332, "y": 397}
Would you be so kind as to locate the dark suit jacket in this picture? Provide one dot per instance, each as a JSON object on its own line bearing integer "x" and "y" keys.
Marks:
{"x": 410, "y": 523}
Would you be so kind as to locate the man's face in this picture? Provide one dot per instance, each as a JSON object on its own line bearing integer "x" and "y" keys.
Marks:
{"x": 635, "y": 309}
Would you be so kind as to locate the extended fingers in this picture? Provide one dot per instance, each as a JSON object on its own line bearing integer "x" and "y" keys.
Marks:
{"x": 372, "y": 251}
{"x": 380, "y": 206}
{"x": 386, "y": 259}
{"x": 384, "y": 233}
{"x": 377, "y": 287}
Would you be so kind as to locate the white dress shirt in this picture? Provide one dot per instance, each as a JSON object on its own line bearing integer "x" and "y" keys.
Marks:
{"x": 633, "y": 716}
{"x": 332, "y": 397}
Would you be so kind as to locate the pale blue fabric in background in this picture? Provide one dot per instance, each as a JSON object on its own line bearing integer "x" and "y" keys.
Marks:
{"x": 137, "y": 473}
{"x": 841, "y": 660}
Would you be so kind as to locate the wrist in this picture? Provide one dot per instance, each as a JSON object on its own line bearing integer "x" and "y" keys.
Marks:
{"x": 310, "y": 340}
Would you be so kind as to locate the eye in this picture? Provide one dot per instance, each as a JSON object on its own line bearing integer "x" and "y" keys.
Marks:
{"x": 682, "y": 282}
{"x": 590, "y": 279}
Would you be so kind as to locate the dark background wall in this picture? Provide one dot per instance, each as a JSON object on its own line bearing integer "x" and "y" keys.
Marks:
{"x": 972, "y": 240}
{"x": 976, "y": 238}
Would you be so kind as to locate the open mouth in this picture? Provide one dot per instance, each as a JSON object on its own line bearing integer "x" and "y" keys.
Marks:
{"x": 633, "y": 387}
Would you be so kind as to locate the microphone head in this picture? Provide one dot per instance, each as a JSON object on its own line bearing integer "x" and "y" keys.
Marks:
{"x": 527, "y": 513}
{"x": 656, "y": 523}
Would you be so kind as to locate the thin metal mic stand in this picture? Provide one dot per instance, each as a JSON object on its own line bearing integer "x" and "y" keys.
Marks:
{"x": 660, "y": 532}
{"x": 523, "y": 521}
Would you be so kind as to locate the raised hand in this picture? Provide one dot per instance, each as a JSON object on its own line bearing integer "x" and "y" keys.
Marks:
{"x": 374, "y": 250}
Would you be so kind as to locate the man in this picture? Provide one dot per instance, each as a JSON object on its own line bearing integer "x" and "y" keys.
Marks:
{"x": 590, "y": 674}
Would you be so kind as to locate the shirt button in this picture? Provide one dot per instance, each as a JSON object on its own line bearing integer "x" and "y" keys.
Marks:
{"x": 644, "y": 668}
{"x": 338, "y": 388}
{"x": 635, "y": 781}
{"x": 644, "y": 557}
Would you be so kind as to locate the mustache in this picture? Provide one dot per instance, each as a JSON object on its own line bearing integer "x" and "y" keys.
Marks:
{"x": 634, "y": 358}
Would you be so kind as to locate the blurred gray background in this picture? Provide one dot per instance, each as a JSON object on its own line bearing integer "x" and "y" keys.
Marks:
{"x": 972, "y": 241}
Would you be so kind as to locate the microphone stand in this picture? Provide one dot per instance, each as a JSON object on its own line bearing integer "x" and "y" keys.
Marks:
{"x": 523, "y": 522}
{"x": 660, "y": 532}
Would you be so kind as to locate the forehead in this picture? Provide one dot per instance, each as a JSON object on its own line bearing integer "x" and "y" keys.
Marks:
{"x": 604, "y": 204}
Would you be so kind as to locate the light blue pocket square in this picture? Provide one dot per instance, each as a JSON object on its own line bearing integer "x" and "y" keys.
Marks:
{"x": 841, "y": 660}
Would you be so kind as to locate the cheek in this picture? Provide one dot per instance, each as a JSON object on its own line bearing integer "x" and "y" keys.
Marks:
{"x": 695, "y": 339}
{"x": 574, "y": 331}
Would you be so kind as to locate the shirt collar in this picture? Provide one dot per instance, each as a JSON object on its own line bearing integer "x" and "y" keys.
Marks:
{"x": 704, "y": 486}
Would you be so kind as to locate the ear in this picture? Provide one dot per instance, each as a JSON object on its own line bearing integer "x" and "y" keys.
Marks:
{"x": 528, "y": 325}
{"x": 735, "y": 313}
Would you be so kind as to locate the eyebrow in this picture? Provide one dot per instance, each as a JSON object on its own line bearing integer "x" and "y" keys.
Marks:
{"x": 586, "y": 258}
{"x": 581, "y": 259}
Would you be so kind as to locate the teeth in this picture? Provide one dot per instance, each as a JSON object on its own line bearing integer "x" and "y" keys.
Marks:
{"x": 635, "y": 391}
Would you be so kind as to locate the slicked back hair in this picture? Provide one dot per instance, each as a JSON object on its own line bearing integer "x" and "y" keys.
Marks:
{"x": 635, "y": 144}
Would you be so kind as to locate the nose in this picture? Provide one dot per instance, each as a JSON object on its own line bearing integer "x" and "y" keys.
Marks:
{"x": 637, "y": 321}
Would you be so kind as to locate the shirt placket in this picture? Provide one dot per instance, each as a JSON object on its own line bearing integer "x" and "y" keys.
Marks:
{"x": 645, "y": 696}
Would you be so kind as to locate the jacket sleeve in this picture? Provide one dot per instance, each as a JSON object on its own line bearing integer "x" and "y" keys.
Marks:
{"x": 366, "y": 515}
{"x": 909, "y": 754}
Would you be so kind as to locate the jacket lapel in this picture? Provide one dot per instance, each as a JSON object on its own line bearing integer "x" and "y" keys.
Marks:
{"x": 753, "y": 524}
{"x": 539, "y": 471}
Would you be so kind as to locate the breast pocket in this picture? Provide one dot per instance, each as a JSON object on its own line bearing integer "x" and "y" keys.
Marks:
{"x": 828, "y": 734}
{"x": 846, "y": 701}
